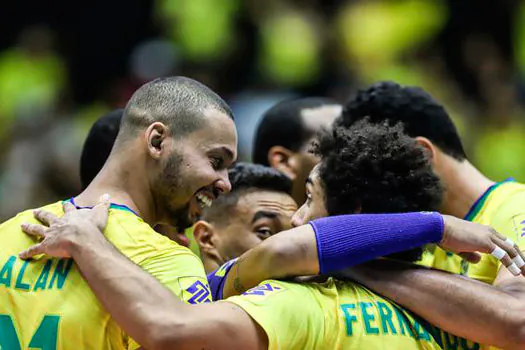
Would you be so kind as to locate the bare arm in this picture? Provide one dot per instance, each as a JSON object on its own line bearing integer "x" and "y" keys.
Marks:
{"x": 295, "y": 253}
{"x": 152, "y": 315}
{"x": 470, "y": 309}
{"x": 145, "y": 309}
{"x": 290, "y": 253}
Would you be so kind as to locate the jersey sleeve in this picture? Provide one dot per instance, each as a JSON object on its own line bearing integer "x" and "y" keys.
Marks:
{"x": 288, "y": 313}
{"x": 182, "y": 273}
{"x": 217, "y": 278}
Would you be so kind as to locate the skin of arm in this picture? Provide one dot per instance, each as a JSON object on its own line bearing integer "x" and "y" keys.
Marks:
{"x": 151, "y": 314}
{"x": 294, "y": 253}
{"x": 290, "y": 253}
{"x": 453, "y": 302}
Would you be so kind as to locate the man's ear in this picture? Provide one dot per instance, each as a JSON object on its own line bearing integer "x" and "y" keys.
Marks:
{"x": 428, "y": 146}
{"x": 206, "y": 238}
{"x": 156, "y": 135}
{"x": 281, "y": 158}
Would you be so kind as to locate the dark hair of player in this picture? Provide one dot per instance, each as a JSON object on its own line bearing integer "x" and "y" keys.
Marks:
{"x": 98, "y": 145}
{"x": 177, "y": 102}
{"x": 376, "y": 168}
{"x": 419, "y": 113}
{"x": 282, "y": 125}
{"x": 245, "y": 177}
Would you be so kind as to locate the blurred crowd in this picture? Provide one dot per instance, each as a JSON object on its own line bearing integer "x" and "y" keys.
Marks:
{"x": 59, "y": 73}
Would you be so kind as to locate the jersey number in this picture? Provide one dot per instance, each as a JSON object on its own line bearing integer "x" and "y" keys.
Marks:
{"x": 45, "y": 336}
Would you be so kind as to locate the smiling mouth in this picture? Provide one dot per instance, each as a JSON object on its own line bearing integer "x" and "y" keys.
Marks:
{"x": 204, "y": 201}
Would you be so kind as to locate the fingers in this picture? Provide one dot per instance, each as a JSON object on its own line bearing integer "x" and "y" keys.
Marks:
{"x": 45, "y": 217}
{"x": 504, "y": 250}
{"x": 104, "y": 199}
{"x": 472, "y": 258}
{"x": 31, "y": 252}
{"x": 68, "y": 207}
{"x": 102, "y": 205}
{"x": 519, "y": 258}
{"x": 34, "y": 230}
{"x": 101, "y": 211}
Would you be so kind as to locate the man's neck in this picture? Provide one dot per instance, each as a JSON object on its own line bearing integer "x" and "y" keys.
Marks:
{"x": 210, "y": 264}
{"x": 125, "y": 186}
{"x": 464, "y": 186}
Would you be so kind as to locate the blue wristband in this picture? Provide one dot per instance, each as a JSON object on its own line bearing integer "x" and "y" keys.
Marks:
{"x": 347, "y": 240}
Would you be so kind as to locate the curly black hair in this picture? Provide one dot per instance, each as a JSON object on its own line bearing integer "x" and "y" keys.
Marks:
{"x": 420, "y": 114}
{"x": 376, "y": 168}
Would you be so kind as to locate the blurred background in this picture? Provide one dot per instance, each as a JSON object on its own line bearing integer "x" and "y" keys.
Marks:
{"x": 63, "y": 64}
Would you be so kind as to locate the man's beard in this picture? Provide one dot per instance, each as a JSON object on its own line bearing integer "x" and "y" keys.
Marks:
{"x": 182, "y": 218}
{"x": 170, "y": 184}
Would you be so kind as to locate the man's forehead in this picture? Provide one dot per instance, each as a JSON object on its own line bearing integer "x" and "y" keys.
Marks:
{"x": 271, "y": 201}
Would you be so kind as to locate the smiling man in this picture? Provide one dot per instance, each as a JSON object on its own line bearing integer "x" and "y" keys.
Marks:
{"x": 275, "y": 314}
{"x": 170, "y": 159}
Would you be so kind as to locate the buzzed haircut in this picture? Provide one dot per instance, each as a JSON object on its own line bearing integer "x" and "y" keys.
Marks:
{"x": 283, "y": 125}
{"x": 177, "y": 102}
{"x": 419, "y": 113}
{"x": 246, "y": 177}
{"x": 98, "y": 145}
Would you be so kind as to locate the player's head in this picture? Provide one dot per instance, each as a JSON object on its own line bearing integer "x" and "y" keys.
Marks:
{"x": 98, "y": 145}
{"x": 421, "y": 115}
{"x": 285, "y": 133}
{"x": 258, "y": 206}
{"x": 179, "y": 138}
{"x": 370, "y": 168}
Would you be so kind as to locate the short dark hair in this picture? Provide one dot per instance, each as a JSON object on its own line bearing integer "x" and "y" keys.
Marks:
{"x": 376, "y": 168}
{"x": 98, "y": 145}
{"x": 282, "y": 125}
{"x": 175, "y": 101}
{"x": 420, "y": 114}
{"x": 246, "y": 177}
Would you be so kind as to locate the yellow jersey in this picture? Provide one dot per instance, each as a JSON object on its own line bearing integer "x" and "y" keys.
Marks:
{"x": 45, "y": 303}
{"x": 338, "y": 315}
{"x": 502, "y": 207}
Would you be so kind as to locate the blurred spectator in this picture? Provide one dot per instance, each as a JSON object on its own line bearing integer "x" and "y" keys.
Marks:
{"x": 202, "y": 28}
{"x": 31, "y": 76}
{"x": 254, "y": 53}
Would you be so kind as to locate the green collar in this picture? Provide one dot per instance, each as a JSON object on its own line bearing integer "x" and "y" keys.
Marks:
{"x": 475, "y": 209}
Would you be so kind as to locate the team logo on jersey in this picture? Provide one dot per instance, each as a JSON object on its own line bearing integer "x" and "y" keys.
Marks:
{"x": 519, "y": 226}
{"x": 264, "y": 289}
{"x": 194, "y": 290}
